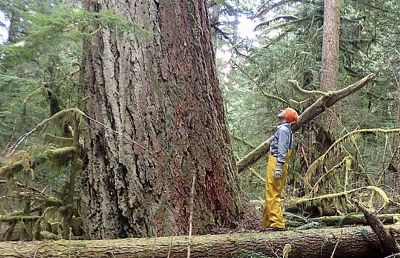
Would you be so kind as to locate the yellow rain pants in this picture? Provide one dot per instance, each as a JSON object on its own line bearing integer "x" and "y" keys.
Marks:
{"x": 273, "y": 214}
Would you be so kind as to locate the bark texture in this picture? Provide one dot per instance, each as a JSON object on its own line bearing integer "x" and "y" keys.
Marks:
{"x": 330, "y": 54}
{"x": 352, "y": 242}
{"x": 161, "y": 91}
{"x": 330, "y": 45}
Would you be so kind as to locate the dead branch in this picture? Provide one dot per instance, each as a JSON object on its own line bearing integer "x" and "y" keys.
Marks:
{"x": 388, "y": 242}
{"x": 270, "y": 6}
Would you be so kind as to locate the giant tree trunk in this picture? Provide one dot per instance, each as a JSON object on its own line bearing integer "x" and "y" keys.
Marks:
{"x": 161, "y": 91}
{"x": 350, "y": 242}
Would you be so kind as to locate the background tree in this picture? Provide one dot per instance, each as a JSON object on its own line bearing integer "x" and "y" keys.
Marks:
{"x": 330, "y": 53}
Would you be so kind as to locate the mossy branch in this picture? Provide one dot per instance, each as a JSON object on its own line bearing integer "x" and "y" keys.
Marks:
{"x": 48, "y": 201}
{"x": 349, "y": 135}
{"x": 16, "y": 166}
{"x": 46, "y": 235}
{"x": 375, "y": 189}
{"x": 328, "y": 172}
{"x": 297, "y": 88}
{"x": 61, "y": 152}
{"x": 253, "y": 172}
{"x": 241, "y": 140}
{"x": 43, "y": 124}
{"x": 388, "y": 241}
{"x": 77, "y": 115}
{"x": 18, "y": 218}
{"x": 58, "y": 140}
{"x": 26, "y": 99}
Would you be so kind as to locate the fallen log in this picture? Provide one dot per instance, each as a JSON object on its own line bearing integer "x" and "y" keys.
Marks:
{"x": 335, "y": 220}
{"x": 318, "y": 107}
{"x": 354, "y": 219}
{"x": 351, "y": 242}
{"x": 291, "y": 207}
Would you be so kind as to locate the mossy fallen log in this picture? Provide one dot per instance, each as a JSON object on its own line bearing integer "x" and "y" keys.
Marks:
{"x": 351, "y": 242}
{"x": 355, "y": 219}
{"x": 18, "y": 218}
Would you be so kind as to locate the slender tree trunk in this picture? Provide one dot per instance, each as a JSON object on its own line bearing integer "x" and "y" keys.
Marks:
{"x": 397, "y": 137}
{"x": 396, "y": 160}
{"x": 161, "y": 91}
{"x": 330, "y": 54}
{"x": 13, "y": 29}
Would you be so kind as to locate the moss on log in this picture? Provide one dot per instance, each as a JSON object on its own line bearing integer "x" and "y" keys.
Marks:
{"x": 355, "y": 219}
{"x": 354, "y": 242}
{"x": 18, "y": 218}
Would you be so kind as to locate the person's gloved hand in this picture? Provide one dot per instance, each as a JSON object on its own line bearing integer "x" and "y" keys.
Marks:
{"x": 278, "y": 170}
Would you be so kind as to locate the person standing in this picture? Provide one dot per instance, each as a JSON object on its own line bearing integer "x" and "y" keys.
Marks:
{"x": 277, "y": 170}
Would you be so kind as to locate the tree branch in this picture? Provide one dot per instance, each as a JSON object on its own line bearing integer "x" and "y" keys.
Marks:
{"x": 258, "y": 85}
{"x": 297, "y": 87}
{"x": 278, "y": 26}
{"x": 266, "y": 8}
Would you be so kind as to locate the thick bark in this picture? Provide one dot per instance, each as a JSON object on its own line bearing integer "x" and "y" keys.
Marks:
{"x": 308, "y": 115}
{"x": 161, "y": 91}
{"x": 330, "y": 54}
{"x": 354, "y": 242}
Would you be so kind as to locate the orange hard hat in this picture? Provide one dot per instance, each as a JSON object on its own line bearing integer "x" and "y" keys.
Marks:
{"x": 289, "y": 114}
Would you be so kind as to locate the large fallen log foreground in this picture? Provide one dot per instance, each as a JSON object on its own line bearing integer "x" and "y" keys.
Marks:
{"x": 348, "y": 242}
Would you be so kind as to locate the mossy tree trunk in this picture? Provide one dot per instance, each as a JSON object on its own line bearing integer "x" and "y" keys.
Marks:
{"x": 161, "y": 91}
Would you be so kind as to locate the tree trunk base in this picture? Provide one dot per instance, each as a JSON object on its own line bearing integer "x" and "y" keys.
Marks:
{"x": 347, "y": 242}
